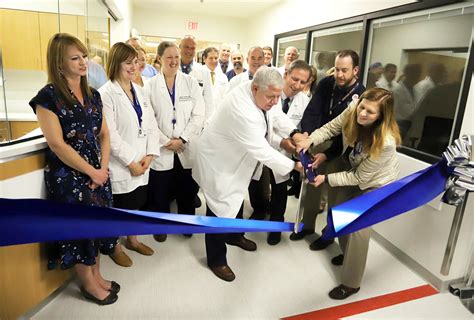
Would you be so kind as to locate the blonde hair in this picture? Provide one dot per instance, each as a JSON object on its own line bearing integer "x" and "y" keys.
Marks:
{"x": 55, "y": 57}
{"x": 383, "y": 127}
{"x": 119, "y": 53}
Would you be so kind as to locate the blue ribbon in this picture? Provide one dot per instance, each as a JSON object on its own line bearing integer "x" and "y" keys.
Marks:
{"x": 388, "y": 201}
{"x": 35, "y": 220}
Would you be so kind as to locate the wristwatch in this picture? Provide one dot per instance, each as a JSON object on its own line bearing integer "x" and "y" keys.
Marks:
{"x": 182, "y": 140}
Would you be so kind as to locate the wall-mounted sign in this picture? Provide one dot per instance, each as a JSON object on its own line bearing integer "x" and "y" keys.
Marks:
{"x": 192, "y": 25}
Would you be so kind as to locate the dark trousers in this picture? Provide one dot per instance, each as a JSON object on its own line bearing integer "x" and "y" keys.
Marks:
{"x": 277, "y": 200}
{"x": 176, "y": 183}
{"x": 216, "y": 248}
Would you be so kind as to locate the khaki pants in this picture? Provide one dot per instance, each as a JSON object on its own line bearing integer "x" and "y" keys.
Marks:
{"x": 314, "y": 195}
{"x": 354, "y": 246}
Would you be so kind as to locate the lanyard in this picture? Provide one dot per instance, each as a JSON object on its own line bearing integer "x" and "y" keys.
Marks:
{"x": 172, "y": 94}
{"x": 331, "y": 105}
{"x": 136, "y": 106}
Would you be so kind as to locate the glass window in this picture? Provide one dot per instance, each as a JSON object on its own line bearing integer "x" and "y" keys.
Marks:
{"x": 25, "y": 30}
{"x": 421, "y": 58}
{"x": 297, "y": 41}
{"x": 326, "y": 43}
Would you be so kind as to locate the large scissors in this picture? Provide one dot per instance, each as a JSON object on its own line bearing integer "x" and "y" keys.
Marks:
{"x": 308, "y": 176}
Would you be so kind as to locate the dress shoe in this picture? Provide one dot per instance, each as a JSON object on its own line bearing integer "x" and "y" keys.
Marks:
{"x": 140, "y": 248}
{"x": 244, "y": 243}
{"x": 338, "y": 260}
{"x": 223, "y": 272}
{"x": 319, "y": 244}
{"x": 122, "y": 259}
{"x": 160, "y": 237}
{"x": 197, "y": 202}
{"x": 111, "y": 298}
{"x": 274, "y": 238}
{"x": 342, "y": 292}
{"x": 300, "y": 235}
{"x": 114, "y": 287}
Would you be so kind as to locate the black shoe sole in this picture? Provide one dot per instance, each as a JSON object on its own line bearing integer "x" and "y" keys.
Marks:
{"x": 110, "y": 299}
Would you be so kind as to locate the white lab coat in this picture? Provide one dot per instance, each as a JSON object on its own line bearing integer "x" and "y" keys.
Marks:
{"x": 421, "y": 88}
{"x": 219, "y": 87}
{"x": 189, "y": 115}
{"x": 298, "y": 105}
{"x": 405, "y": 103}
{"x": 237, "y": 80}
{"x": 230, "y": 66}
{"x": 282, "y": 70}
{"x": 230, "y": 148}
{"x": 126, "y": 143}
{"x": 383, "y": 83}
{"x": 203, "y": 77}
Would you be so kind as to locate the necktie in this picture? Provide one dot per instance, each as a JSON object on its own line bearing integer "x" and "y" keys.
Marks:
{"x": 224, "y": 66}
{"x": 250, "y": 76}
{"x": 186, "y": 68}
{"x": 213, "y": 76}
{"x": 286, "y": 105}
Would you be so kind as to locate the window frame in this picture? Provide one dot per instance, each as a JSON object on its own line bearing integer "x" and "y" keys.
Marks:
{"x": 367, "y": 20}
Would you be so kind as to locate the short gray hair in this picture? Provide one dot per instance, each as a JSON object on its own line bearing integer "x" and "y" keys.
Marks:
{"x": 267, "y": 77}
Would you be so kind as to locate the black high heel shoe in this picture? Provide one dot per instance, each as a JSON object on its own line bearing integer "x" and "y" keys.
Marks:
{"x": 111, "y": 298}
{"x": 114, "y": 287}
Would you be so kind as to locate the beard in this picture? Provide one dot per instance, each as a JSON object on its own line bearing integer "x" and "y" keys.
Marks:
{"x": 238, "y": 64}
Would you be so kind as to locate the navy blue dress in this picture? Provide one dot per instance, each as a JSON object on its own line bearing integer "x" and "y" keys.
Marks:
{"x": 81, "y": 127}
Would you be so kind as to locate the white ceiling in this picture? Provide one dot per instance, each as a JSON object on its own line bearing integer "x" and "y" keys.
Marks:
{"x": 226, "y": 8}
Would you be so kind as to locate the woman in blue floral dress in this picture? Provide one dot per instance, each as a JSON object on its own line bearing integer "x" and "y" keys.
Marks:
{"x": 70, "y": 115}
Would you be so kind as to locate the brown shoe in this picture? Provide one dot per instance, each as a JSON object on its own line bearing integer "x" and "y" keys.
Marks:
{"x": 160, "y": 237}
{"x": 244, "y": 243}
{"x": 140, "y": 248}
{"x": 223, "y": 272}
{"x": 121, "y": 259}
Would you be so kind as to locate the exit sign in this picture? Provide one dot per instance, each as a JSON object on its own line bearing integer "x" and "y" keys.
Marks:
{"x": 192, "y": 25}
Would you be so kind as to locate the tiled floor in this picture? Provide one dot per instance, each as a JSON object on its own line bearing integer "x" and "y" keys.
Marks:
{"x": 273, "y": 282}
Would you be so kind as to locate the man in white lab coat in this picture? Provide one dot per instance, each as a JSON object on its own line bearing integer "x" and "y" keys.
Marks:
{"x": 187, "y": 51}
{"x": 254, "y": 60}
{"x": 229, "y": 152}
{"x": 293, "y": 103}
{"x": 291, "y": 54}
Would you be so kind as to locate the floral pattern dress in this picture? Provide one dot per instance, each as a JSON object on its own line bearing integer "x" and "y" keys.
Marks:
{"x": 81, "y": 126}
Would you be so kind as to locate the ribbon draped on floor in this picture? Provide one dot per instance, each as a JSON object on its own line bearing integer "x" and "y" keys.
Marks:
{"x": 35, "y": 220}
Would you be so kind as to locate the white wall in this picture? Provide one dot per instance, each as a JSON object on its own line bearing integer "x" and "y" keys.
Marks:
{"x": 212, "y": 28}
{"x": 296, "y": 14}
{"x": 120, "y": 30}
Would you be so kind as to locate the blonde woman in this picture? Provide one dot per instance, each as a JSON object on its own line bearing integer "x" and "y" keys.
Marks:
{"x": 133, "y": 139}
{"x": 70, "y": 115}
{"x": 141, "y": 59}
{"x": 370, "y": 135}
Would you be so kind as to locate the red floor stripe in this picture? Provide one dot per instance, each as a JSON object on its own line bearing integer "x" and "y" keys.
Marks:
{"x": 366, "y": 305}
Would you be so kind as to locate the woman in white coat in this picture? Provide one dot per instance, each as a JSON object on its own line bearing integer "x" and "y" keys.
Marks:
{"x": 133, "y": 139}
{"x": 218, "y": 79}
{"x": 179, "y": 111}
{"x": 139, "y": 79}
